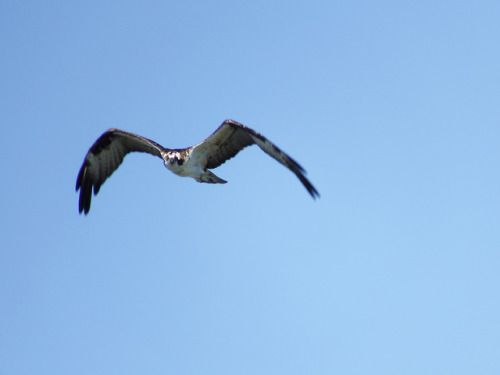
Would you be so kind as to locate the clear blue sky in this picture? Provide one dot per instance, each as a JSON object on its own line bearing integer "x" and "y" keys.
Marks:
{"x": 393, "y": 109}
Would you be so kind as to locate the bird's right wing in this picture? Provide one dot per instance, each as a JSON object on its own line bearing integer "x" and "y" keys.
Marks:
{"x": 105, "y": 156}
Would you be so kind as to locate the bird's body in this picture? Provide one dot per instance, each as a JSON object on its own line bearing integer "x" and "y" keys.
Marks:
{"x": 108, "y": 152}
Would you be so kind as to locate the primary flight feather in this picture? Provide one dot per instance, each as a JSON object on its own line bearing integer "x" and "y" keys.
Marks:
{"x": 108, "y": 152}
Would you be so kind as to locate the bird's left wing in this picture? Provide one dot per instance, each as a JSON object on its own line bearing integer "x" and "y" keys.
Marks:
{"x": 232, "y": 137}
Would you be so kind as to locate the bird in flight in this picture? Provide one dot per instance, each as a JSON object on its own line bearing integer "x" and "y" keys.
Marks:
{"x": 108, "y": 152}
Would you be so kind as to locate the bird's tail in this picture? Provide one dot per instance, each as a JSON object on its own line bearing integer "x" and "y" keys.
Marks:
{"x": 210, "y": 178}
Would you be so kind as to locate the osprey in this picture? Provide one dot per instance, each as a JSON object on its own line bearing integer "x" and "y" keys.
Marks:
{"x": 108, "y": 152}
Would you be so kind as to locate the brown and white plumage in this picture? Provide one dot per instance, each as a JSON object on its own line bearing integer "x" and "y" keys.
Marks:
{"x": 108, "y": 152}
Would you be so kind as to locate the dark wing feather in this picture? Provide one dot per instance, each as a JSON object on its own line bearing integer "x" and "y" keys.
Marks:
{"x": 222, "y": 145}
{"x": 232, "y": 137}
{"x": 105, "y": 156}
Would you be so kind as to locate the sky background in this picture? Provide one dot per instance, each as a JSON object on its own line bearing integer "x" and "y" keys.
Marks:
{"x": 393, "y": 109}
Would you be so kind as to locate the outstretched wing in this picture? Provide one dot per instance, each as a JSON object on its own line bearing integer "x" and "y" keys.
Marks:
{"x": 105, "y": 156}
{"x": 232, "y": 137}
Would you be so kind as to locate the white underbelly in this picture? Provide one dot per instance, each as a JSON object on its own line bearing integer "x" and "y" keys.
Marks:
{"x": 187, "y": 169}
